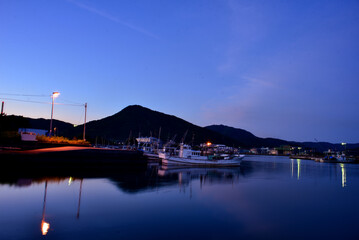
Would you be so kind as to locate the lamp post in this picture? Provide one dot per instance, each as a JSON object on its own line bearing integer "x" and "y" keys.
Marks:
{"x": 53, "y": 96}
{"x": 84, "y": 137}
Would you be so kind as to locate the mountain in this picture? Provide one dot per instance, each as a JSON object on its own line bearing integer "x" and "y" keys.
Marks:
{"x": 13, "y": 123}
{"x": 248, "y": 139}
{"x": 135, "y": 120}
{"x": 62, "y": 128}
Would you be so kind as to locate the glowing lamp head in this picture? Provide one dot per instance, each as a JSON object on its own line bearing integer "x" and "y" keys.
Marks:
{"x": 55, "y": 94}
{"x": 343, "y": 144}
{"x": 209, "y": 144}
{"x": 44, "y": 227}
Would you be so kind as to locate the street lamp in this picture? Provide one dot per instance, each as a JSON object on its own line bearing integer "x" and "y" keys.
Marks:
{"x": 53, "y": 96}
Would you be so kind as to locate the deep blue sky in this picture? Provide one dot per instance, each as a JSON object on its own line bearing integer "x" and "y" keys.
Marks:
{"x": 285, "y": 69}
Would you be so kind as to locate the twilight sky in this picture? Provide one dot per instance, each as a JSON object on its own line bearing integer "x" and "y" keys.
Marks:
{"x": 284, "y": 69}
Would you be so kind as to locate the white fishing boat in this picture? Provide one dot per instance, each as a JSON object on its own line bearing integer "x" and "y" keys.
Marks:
{"x": 149, "y": 147}
{"x": 188, "y": 157}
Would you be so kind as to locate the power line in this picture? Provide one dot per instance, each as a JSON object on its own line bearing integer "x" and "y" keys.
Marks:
{"x": 24, "y": 95}
{"x": 69, "y": 104}
{"x": 21, "y": 100}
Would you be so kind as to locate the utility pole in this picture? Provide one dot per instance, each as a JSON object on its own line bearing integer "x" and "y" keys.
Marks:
{"x": 2, "y": 108}
{"x": 85, "y": 122}
{"x": 52, "y": 113}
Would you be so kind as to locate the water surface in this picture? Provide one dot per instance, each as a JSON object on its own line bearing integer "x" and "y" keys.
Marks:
{"x": 265, "y": 198}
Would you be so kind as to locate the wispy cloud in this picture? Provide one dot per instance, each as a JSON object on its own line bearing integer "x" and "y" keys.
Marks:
{"x": 114, "y": 19}
{"x": 256, "y": 82}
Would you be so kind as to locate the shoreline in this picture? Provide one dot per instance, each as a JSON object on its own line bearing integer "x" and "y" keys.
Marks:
{"x": 69, "y": 157}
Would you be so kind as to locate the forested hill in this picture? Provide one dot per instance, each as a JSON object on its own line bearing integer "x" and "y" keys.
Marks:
{"x": 135, "y": 120}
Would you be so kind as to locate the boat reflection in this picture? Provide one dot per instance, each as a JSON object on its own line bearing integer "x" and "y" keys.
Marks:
{"x": 157, "y": 177}
{"x": 205, "y": 175}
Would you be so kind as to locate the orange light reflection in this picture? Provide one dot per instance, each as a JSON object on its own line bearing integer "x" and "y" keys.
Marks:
{"x": 44, "y": 227}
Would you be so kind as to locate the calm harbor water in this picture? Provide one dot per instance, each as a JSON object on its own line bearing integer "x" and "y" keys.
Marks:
{"x": 265, "y": 198}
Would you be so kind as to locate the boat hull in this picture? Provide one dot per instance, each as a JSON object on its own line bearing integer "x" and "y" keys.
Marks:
{"x": 236, "y": 161}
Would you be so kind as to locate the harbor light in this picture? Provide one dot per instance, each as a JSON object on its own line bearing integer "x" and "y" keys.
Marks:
{"x": 209, "y": 144}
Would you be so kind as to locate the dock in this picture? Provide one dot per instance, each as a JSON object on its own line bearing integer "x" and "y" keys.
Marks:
{"x": 323, "y": 160}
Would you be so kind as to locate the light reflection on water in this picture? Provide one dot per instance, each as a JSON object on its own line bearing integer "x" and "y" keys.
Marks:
{"x": 265, "y": 198}
{"x": 344, "y": 175}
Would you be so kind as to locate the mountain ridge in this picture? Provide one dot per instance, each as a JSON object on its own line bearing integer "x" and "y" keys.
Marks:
{"x": 136, "y": 120}
{"x": 254, "y": 141}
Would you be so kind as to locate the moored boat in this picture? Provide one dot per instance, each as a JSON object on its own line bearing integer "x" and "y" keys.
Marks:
{"x": 189, "y": 157}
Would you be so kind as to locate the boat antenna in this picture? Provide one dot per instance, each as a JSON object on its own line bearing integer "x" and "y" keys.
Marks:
{"x": 159, "y": 138}
{"x": 170, "y": 141}
{"x": 184, "y": 137}
{"x": 129, "y": 138}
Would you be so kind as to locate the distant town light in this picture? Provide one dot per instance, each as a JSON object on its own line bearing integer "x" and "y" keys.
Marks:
{"x": 209, "y": 144}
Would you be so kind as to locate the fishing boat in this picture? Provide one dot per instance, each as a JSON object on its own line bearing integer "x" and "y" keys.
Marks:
{"x": 188, "y": 157}
{"x": 149, "y": 147}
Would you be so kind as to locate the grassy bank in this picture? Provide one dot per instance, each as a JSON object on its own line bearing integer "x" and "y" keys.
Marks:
{"x": 12, "y": 140}
{"x": 61, "y": 140}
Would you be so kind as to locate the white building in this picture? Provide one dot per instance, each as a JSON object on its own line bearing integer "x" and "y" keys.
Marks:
{"x": 29, "y": 134}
